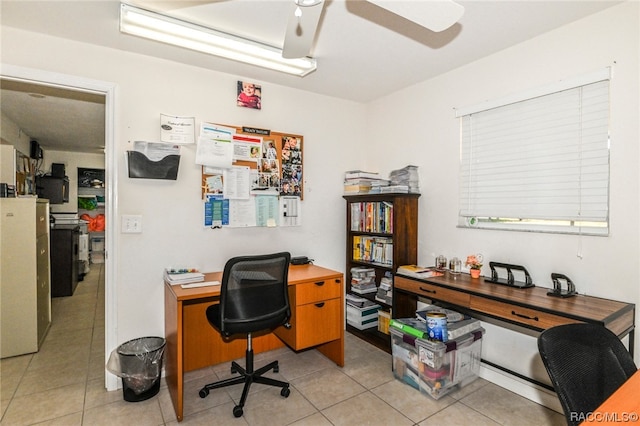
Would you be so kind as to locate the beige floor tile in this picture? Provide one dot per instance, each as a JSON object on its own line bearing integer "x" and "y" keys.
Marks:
{"x": 14, "y": 366}
{"x": 293, "y": 366}
{"x": 327, "y": 387}
{"x": 370, "y": 369}
{"x": 222, "y": 415}
{"x": 43, "y": 379}
{"x": 270, "y": 408}
{"x": 409, "y": 401}
{"x": 507, "y": 408}
{"x": 192, "y": 401}
{"x": 364, "y": 409}
{"x": 48, "y": 405}
{"x": 97, "y": 394}
{"x": 458, "y": 414}
{"x": 316, "y": 419}
{"x": 143, "y": 413}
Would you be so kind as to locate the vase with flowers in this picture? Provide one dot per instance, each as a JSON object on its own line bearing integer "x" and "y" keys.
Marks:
{"x": 474, "y": 262}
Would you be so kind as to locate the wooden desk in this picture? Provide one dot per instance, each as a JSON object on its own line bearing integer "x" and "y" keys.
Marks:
{"x": 529, "y": 307}
{"x": 317, "y": 320}
{"x": 621, "y": 407}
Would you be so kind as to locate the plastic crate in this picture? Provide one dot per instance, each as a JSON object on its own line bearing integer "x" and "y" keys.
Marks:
{"x": 433, "y": 367}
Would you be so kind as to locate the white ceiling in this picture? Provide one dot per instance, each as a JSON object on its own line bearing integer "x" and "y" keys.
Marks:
{"x": 363, "y": 52}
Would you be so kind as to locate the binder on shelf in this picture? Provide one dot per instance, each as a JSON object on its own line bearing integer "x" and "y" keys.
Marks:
{"x": 140, "y": 166}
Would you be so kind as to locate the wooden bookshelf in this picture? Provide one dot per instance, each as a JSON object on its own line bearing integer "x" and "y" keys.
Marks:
{"x": 389, "y": 219}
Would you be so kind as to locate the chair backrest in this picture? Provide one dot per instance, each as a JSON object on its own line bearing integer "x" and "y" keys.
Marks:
{"x": 253, "y": 293}
{"x": 586, "y": 364}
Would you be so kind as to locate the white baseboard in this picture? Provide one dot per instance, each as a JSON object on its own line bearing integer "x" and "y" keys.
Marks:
{"x": 522, "y": 387}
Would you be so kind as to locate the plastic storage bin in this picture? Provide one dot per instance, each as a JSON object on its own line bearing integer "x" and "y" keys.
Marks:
{"x": 433, "y": 367}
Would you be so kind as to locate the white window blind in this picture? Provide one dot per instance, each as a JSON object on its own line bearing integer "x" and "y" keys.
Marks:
{"x": 541, "y": 163}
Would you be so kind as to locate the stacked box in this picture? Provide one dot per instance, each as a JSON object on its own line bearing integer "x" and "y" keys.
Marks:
{"x": 363, "y": 317}
{"x": 434, "y": 367}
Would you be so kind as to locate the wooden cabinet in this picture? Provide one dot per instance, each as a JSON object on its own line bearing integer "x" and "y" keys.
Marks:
{"x": 382, "y": 234}
{"x": 25, "y": 294}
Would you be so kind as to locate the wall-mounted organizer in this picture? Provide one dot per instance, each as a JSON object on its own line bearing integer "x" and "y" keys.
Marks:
{"x": 140, "y": 166}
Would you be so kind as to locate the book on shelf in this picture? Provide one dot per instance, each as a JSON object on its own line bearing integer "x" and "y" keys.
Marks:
{"x": 356, "y": 301}
{"x": 411, "y": 326}
{"x": 364, "y": 289}
{"x": 416, "y": 271}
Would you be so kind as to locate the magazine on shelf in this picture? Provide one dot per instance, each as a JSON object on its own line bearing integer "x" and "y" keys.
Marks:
{"x": 419, "y": 271}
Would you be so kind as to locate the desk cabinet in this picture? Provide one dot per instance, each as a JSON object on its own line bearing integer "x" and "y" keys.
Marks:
{"x": 316, "y": 308}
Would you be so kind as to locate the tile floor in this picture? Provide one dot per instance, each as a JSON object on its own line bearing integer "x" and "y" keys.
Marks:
{"x": 62, "y": 384}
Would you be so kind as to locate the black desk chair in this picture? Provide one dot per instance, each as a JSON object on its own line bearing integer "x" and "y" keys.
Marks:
{"x": 586, "y": 364}
{"x": 253, "y": 297}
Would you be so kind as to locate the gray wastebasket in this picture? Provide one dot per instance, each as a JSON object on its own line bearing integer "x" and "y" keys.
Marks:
{"x": 141, "y": 367}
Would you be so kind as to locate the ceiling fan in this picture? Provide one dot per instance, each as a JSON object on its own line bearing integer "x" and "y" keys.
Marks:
{"x": 435, "y": 15}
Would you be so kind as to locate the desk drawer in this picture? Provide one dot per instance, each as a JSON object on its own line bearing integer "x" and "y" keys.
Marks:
{"x": 317, "y": 291}
{"x": 525, "y": 316}
{"x": 432, "y": 291}
{"x": 313, "y": 324}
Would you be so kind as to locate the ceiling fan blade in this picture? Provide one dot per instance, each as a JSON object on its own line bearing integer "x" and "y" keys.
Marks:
{"x": 301, "y": 31}
{"x": 436, "y": 15}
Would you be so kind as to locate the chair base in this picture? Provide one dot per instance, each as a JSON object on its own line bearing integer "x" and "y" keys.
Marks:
{"x": 248, "y": 377}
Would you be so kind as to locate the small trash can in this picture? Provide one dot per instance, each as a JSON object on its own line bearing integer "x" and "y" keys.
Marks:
{"x": 139, "y": 363}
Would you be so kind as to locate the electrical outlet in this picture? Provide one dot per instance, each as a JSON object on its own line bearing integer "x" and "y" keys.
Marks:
{"x": 131, "y": 224}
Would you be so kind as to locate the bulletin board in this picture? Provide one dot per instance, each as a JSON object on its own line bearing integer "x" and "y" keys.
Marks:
{"x": 278, "y": 162}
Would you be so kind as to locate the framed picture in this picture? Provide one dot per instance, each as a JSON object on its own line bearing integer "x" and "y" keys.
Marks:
{"x": 249, "y": 95}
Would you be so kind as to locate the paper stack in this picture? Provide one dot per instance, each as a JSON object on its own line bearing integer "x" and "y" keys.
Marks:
{"x": 361, "y": 182}
{"x": 404, "y": 180}
{"x": 183, "y": 277}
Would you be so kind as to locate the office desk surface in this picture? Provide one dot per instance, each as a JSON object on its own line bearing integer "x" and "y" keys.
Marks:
{"x": 621, "y": 407}
{"x": 297, "y": 274}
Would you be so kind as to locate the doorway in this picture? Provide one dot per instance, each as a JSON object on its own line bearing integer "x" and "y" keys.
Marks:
{"x": 106, "y": 89}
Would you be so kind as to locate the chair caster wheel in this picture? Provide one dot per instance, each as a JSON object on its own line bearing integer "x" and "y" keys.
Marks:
{"x": 276, "y": 369}
{"x": 237, "y": 411}
{"x": 285, "y": 392}
{"x": 233, "y": 370}
{"x": 203, "y": 392}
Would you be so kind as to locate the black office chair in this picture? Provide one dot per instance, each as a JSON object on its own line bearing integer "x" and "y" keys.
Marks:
{"x": 253, "y": 297}
{"x": 586, "y": 364}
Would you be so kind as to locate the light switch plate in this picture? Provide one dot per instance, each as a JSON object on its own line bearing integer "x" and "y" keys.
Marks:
{"x": 131, "y": 224}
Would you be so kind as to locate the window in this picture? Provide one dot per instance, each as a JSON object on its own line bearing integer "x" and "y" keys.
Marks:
{"x": 538, "y": 161}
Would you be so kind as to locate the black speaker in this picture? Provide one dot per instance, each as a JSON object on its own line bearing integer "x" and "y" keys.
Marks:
{"x": 58, "y": 170}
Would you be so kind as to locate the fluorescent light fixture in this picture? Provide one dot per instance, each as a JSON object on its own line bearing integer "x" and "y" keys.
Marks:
{"x": 154, "y": 26}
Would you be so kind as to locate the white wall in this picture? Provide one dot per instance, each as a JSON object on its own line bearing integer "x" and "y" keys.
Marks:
{"x": 420, "y": 120}
{"x": 172, "y": 210}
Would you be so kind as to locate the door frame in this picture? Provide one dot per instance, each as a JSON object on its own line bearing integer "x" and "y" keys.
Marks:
{"x": 108, "y": 89}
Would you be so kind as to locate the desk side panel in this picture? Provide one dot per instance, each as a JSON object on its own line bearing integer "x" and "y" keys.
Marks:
{"x": 173, "y": 354}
